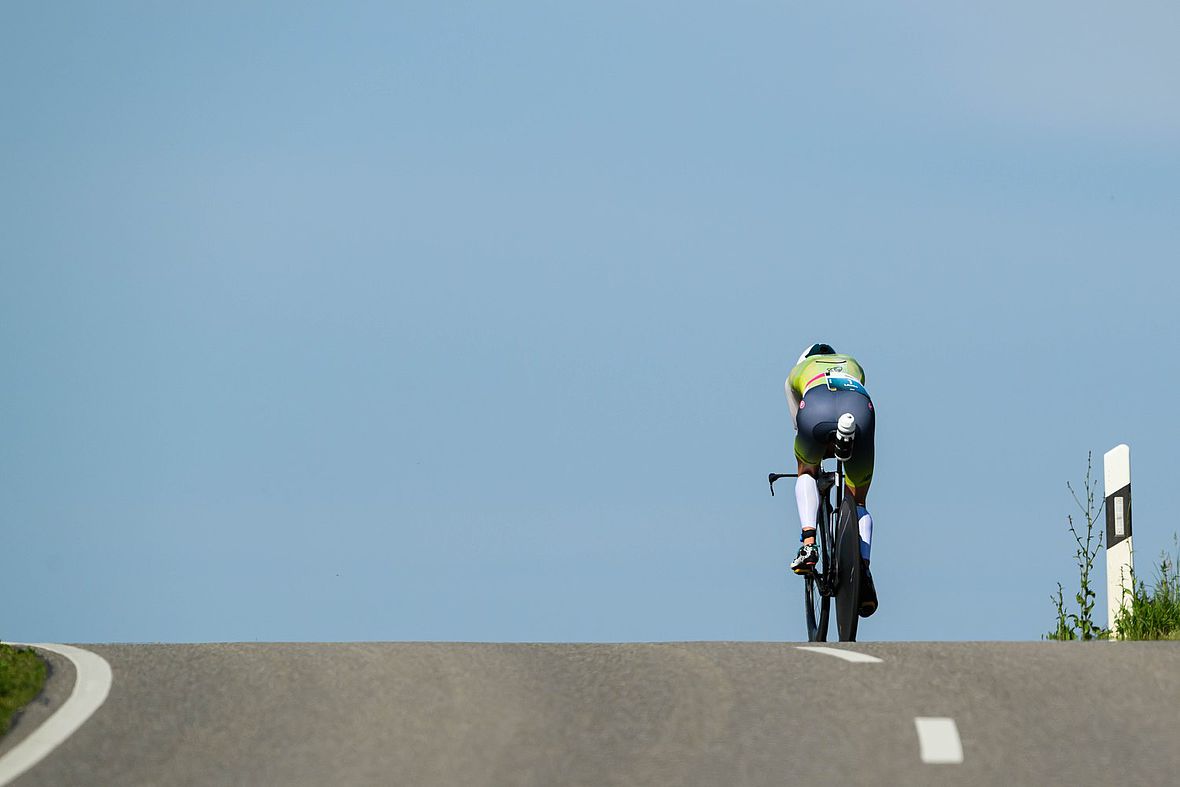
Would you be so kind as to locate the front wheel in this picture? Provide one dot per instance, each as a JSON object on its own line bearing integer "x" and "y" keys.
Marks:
{"x": 847, "y": 571}
{"x": 817, "y": 610}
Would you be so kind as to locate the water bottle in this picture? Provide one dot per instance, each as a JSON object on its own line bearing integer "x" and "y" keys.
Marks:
{"x": 845, "y": 432}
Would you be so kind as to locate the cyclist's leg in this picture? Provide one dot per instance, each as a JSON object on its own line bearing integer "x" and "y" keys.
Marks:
{"x": 858, "y": 477}
{"x": 807, "y": 499}
{"x": 815, "y": 412}
{"x": 860, "y": 494}
{"x": 858, "y": 471}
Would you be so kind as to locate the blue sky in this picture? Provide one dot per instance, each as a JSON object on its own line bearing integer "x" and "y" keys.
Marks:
{"x": 461, "y": 322}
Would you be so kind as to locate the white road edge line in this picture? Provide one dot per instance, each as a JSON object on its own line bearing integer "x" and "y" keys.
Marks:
{"x": 938, "y": 740}
{"x": 847, "y": 655}
{"x": 92, "y": 684}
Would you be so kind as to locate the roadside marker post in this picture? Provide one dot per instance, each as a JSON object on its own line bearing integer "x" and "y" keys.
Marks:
{"x": 1119, "y": 554}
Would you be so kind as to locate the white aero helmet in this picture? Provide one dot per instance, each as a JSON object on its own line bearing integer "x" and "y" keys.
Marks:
{"x": 816, "y": 349}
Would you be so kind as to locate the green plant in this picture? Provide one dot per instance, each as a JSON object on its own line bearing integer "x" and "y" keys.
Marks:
{"x": 22, "y": 674}
{"x": 1153, "y": 613}
{"x": 1080, "y": 624}
{"x": 1064, "y": 630}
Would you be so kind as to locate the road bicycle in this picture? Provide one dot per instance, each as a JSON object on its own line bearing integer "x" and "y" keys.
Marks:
{"x": 837, "y": 573}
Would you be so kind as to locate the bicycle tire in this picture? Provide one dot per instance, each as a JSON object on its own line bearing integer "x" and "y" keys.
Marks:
{"x": 817, "y": 606}
{"x": 847, "y": 554}
{"x": 816, "y": 602}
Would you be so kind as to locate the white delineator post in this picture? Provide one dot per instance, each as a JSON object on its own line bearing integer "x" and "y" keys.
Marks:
{"x": 1117, "y": 466}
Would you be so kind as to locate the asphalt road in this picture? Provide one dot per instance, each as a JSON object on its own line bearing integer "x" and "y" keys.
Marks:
{"x": 710, "y": 713}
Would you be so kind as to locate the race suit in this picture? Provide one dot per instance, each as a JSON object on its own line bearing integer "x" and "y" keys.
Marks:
{"x": 820, "y": 389}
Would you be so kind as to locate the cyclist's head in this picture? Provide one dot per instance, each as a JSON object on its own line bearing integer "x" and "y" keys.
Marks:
{"x": 816, "y": 349}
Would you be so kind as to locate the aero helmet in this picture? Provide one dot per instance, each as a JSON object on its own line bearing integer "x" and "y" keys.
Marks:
{"x": 816, "y": 349}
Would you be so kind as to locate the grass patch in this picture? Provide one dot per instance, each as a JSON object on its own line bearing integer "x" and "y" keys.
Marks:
{"x": 22, "y": 674}
{"x": 1148, "y": 613}
{"x": 1153, "y": 612}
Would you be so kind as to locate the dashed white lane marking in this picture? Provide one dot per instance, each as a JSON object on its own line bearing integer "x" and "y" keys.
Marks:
{"x": 847, "y": 655}
{"x": 91, "y": 686}
{"x": 938, "y": 740}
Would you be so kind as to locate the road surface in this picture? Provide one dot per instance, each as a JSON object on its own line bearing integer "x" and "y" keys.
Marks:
{"x": 698, "y": 713}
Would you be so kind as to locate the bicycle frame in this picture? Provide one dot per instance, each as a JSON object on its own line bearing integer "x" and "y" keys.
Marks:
{"x": 825, "y": 527}
{"x": 825, "y": 481}
{"x": 825, "y": 584}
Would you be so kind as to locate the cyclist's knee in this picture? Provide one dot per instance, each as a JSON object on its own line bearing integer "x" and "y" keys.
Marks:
{"x": 859, "y": 493}
{"x": 808, "y": 469}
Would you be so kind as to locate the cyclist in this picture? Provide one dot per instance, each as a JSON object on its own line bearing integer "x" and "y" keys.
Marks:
{"x": 822, "y": 386}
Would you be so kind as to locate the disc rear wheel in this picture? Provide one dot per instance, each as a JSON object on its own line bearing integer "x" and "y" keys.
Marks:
{"x": 847, "y": 554}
